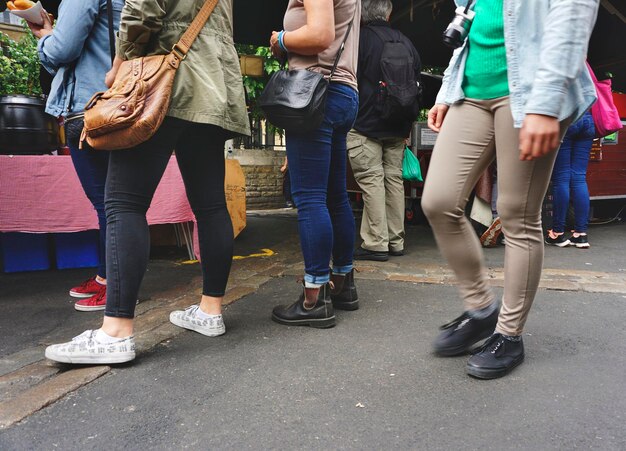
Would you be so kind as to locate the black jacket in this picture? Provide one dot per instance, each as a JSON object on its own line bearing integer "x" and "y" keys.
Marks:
{"x": 368, "y": 122}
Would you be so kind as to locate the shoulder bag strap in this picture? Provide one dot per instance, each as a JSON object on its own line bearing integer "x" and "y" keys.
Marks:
{"x": 111, "y": 31}
{"x": 343, "y": 43}
{"x": 186, "y": 41}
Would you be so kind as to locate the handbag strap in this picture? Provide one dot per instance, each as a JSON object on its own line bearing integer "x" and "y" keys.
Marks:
{"x": 186, "y": 41}
{"x": 343, "y": 43}
{"x": 111, "y": 31}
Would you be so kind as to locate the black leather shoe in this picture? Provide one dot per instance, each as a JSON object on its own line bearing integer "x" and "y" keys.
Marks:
{"x": 461, "y": 334}
{"x": 364, "y": 254}
{"x": 496, "y": 358}
{"x": 399, "y": 253}
{"x": 322, "y": 315}
{"x": 344, "y": 295}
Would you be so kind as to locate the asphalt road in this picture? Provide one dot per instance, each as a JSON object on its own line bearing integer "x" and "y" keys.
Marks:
{"x": 369, "y": 383}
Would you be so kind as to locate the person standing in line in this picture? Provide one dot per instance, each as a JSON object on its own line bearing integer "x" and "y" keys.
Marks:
{"x": 511, "y": 89}
{"x": 570, "y": 175}
{"x": 78, "y": 53}
{"x": 314, "y": 32}
{"x": 207, "y": 108}
{"x": 376, "y": 144}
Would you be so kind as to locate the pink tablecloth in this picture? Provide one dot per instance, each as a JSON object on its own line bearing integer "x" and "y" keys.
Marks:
{"x": 43, "y": 194}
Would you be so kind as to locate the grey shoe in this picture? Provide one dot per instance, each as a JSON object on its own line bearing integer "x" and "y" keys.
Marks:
{"x": 189, "y": 319}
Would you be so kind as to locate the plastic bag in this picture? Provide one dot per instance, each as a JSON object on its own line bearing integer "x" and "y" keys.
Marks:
{"x": 411, "y": 170}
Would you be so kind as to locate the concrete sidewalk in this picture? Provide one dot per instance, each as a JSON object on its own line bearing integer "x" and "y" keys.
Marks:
{"x": 369, "y": 383}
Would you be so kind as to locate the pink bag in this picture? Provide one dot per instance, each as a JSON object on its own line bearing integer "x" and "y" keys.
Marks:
{"x": 605, "y": 115}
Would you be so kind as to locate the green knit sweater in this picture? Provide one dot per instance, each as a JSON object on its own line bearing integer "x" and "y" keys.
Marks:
{"x": 485, "y": 71}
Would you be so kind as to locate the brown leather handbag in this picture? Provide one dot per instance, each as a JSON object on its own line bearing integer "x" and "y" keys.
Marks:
{"x": 131, "y": 110}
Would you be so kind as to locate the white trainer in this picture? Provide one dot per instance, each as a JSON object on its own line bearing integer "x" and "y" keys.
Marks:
{"x": 85, "y": 349}
{"x": 189, "y": 319}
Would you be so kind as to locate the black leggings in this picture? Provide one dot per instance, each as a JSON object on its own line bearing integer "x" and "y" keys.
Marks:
{"x": 132, "y": 180}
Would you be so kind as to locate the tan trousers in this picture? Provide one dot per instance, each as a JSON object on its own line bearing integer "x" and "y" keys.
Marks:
{"x": 377, "y": 168}
{"x": 475, "y": 132}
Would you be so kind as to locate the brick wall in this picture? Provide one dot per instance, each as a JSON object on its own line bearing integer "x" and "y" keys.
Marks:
{"x": 264, "y": 181}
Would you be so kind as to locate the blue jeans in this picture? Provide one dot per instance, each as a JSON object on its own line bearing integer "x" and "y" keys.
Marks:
{"x": 317, "y": 168}
{"x": 570, "y": 175}
{"x": 91, "y": 166}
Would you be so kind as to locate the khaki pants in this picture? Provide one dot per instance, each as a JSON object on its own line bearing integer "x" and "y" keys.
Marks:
{"x": 475, "y": 132}
{"x": 377, "y": 168}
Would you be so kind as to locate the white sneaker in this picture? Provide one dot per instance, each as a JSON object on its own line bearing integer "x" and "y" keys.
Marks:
{"x": 188, "y": 319}
{"x": 85, "y": 349}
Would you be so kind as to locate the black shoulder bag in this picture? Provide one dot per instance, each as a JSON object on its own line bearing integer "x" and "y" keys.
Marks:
{"x": 296, "y": 99}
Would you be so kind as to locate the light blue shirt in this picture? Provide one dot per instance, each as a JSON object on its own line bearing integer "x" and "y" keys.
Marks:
{"x": 77, "y": 53}
{"x": 546, "y": 47}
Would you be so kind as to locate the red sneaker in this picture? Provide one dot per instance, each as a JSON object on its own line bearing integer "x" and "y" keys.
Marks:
{"x": 87, "y": 289}
{"x": 96, "y": 302}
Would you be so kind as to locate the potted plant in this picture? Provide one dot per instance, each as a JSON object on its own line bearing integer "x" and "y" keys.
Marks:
{"x": 24, "y": 126}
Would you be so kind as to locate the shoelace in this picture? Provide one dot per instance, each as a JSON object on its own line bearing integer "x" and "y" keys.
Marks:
{"x": 491, "y": 345}
{"x": 456, "y": 322}
{"x": 87, "y": 282}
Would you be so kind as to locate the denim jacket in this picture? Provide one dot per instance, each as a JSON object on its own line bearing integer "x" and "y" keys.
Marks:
{"x": 77, "y": 53}
{"x": 546, "y": 47}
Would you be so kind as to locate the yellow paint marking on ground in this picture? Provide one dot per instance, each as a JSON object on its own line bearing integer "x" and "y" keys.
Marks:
{"x": 264, "y": 253}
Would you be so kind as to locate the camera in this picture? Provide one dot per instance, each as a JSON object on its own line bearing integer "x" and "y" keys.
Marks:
{"x": 459, "y": 28}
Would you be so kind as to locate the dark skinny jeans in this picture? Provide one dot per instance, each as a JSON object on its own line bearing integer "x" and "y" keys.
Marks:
{"x": 132, "y": 180}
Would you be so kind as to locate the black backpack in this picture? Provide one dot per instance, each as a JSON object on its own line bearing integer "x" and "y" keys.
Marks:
{"x": 399, "y": 91}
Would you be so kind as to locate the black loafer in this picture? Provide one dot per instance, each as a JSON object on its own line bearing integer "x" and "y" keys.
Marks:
{"x": 364, "y": 254}
{"x": 321, "y": 316}
{"x": 458, "y": 336}
{"x": 344, "y": 294}
{"x": 496, "y": 358}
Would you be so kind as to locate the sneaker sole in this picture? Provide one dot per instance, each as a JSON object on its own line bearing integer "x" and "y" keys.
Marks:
{"x": 581, "y": 246}
{"x": 482, "y": 373}
{"x": 76, "y": 294}
{"x": 200, "y": 330}
{"x": 563, "y": 244}
{"x": 89, "y": 308}
{"x": 325, "y": 323}
{"x": 90, "y": 360}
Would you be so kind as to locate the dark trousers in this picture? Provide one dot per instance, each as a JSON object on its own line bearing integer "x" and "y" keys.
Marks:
{"x": 569, "y": 176}
{"x": 91, "y": 166}
{"x": 132, "y": 180}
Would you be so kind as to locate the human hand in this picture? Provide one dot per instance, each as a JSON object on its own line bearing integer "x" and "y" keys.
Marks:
{"x": 436, "y": 115}
{"x": 277, "y": 52}
{"x": 111, "y": 74}
{"x": 44, "y": 29}
{"x": 539, "y": 136}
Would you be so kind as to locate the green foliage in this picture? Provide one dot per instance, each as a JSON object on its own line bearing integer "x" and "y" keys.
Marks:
{"x": 19, "y": 65}
{"x": 254, "y": 85}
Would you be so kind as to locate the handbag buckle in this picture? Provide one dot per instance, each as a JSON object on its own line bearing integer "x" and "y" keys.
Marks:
{"x": 178, "y": 52}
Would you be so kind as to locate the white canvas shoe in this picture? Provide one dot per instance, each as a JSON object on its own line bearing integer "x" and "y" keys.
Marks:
{"x": 85, "y": 349}
{"x": 189, "y": 319}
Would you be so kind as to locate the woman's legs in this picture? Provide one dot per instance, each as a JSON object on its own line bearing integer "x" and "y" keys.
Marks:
{"x": 561, "y": 175}
{"x": 464, "y": 149}
{"x": 317, "y": 166}
{"x": 581, "y": 148}
{"x": 132, "y": 180}
{"x": 521, "y": 188}
{"x": 200, "y": 156}
{"x": 91, "y": 167}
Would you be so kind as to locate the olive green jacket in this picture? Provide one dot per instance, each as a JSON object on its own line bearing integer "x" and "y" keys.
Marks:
{"x": 208, "y": 88}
